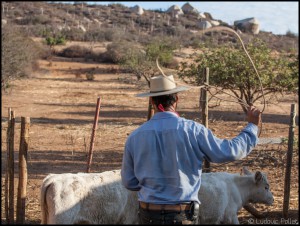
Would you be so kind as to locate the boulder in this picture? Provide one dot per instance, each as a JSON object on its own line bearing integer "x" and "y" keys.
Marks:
{"x": 248, "y": 25}
{"x": 201, "y": 15}
{"x": 215, "y": 23}
{"x": 202, "y": 25}
{"x": 188, "y": 8}
{"x": 175, "y": 11}
{"x": 137, "y": 9}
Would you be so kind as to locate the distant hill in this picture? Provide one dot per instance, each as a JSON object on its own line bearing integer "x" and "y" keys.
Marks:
{"x": 90, "y": 22}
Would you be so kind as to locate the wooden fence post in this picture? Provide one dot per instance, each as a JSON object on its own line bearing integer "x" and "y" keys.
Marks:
{"x": 287, "y": 180}
{"x": 93, "y": 135}
{"x": 24, "y": 143}
{"x": 11, "y": 169}
{"x": 7, "y": 167}
{"x": 204, "y": 110}
{"x": 150, "y": 110}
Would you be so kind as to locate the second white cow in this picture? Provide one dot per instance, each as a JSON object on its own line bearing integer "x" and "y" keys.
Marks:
{"x": 100, "y": 198}
{"x": 223, "y": 194}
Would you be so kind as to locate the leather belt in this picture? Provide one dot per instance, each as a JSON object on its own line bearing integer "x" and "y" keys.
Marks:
{"x": 175, "y": 207}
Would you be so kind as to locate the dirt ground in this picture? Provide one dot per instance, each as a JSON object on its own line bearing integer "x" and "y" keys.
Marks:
{"x": 61, "y": 104}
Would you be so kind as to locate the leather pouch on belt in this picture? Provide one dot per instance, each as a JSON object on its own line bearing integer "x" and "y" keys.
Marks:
{"x": 194, "y": 211}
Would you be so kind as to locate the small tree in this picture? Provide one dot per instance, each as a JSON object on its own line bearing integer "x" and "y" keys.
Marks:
{"x": 138, "y": 63}
{"x": 51, "y": 41}
{"x": 162, "y": 50}
{"x": 142, "y": 63}
{"x": 231, "y": 69}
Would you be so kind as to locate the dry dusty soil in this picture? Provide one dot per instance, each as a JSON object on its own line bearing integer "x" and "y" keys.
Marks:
{"x": 61, "y": 104}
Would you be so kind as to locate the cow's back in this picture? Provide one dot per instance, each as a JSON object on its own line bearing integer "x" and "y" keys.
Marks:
{"x": 61, "y": 197}
{"x": 86, "y": 198}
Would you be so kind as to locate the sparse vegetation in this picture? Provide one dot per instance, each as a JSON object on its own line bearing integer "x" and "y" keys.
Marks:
{"x": 128, "y": 32}
{"x": 90, "y": 75}
{"x": 116, "y": 22}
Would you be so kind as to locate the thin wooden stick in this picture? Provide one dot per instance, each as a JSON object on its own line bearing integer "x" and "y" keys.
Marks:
{"x": 93, "y": 135}
{"x": 11, "y": 168}
{"x": 24, "y": 143}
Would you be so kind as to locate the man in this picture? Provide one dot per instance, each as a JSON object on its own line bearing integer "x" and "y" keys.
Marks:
{"x": 163, "y": 157}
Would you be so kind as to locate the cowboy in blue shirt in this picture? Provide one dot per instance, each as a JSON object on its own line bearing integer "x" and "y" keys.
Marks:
{"x": 163, "y": 157}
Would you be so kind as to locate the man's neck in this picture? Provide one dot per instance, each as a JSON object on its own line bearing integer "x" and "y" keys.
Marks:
{"x": 170, "y": 109}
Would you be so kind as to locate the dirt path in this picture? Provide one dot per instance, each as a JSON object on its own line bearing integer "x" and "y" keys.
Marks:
{"x": 61, "y": 104}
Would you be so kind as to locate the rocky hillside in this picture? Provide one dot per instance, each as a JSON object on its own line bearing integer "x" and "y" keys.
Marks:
{"x": 114, "y": 22}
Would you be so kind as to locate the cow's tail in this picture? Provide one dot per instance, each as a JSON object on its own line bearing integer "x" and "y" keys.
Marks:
{"x": 43, "y": 199}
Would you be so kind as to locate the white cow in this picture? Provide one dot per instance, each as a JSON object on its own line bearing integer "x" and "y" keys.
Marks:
{"x": 87, "y": 198}
{"x": 100, "y": 198}
{"x": 223, "y": 194}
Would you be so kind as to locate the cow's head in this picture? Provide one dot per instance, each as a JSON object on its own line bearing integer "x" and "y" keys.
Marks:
{"x": 261, "y": 189}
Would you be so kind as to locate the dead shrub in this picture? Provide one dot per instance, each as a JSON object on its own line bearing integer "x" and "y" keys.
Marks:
{"x": 116, "y": 52}
{"x": 19, "y": 55}
{"x": 75, "y": 51}
{"x": 90, "y": 76}
{"x": 78, "y": 75}
{"x": 173, "y": 64}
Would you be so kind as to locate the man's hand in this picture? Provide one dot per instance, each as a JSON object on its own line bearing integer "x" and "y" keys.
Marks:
{"x": 254, "y": 115}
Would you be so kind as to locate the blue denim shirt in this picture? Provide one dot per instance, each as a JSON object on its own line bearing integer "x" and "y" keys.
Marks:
{"x": 163, "y": 157}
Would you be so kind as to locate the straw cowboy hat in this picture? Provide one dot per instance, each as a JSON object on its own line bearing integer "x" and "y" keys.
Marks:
{"x": 162, "y": 85}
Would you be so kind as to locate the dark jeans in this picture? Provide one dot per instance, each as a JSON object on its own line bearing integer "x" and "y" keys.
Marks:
{"x": 165, "y": 217}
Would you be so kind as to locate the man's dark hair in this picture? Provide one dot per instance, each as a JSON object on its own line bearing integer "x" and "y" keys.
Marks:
{"x": 165, "y": 100}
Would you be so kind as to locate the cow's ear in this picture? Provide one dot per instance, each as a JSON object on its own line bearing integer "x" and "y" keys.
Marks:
{"x": 258, "y": 177}
{"x": 245, "y": 171}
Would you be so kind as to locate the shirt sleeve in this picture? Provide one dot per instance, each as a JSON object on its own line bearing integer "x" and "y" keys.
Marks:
{"x": 127, "y": 172}
{"x": 224, "y": 150}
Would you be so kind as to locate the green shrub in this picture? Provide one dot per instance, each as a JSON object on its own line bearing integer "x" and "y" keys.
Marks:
{"x": 163, "y": 49}
{"x": 51, "y": 41}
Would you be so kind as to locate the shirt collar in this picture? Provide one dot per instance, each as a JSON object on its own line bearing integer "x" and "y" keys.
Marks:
{"x": 165, "y": 114}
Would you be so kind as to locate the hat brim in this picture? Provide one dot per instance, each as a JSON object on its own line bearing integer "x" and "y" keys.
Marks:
{"x": 176, "y": 90}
